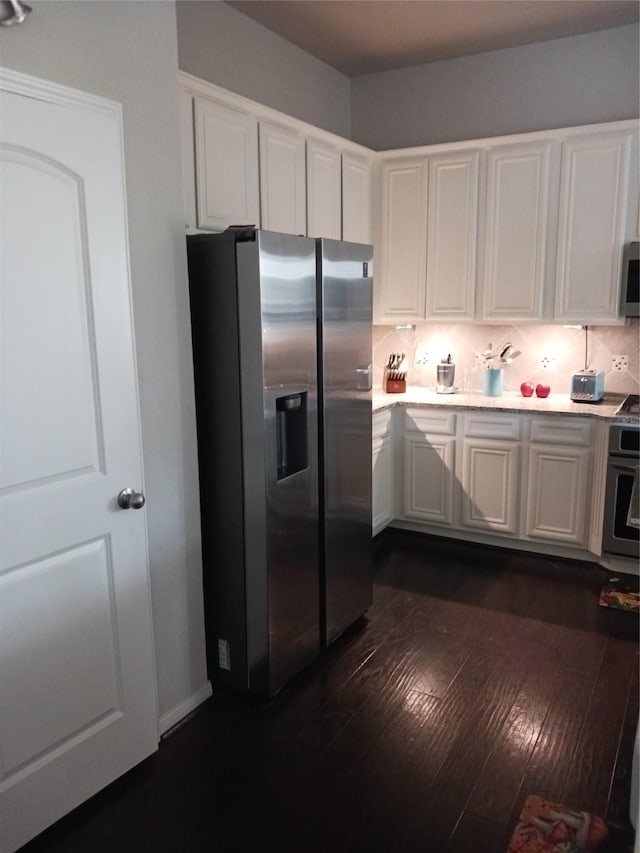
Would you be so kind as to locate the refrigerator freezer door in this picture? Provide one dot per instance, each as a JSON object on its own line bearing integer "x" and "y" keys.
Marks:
{"x": 345, "y": 299}
{"x": 278, "y": 357}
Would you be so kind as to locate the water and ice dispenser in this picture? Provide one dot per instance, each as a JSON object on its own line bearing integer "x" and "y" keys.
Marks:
{"x": 291, "y": 428}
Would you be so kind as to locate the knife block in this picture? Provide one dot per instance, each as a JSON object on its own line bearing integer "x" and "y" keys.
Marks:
{"x": 395, "y": 386}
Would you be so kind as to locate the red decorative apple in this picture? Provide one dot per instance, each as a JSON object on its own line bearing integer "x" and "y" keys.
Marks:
{"x": 542, "y": 390}
{"x": 526, "y": 389}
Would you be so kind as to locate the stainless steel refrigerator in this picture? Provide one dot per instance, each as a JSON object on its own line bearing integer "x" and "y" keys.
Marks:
{"x": 256, "y": 331}
{"x": 344, "y": 278}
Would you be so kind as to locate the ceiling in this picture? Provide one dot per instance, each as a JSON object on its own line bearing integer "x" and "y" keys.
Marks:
{"x": 364, "y": 36}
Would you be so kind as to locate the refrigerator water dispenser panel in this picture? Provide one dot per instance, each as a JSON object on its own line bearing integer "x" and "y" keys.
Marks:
{"x": 291, "y": 428}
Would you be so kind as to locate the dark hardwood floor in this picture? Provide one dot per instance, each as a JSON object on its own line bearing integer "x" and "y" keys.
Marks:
{"x": 479, "y": 677}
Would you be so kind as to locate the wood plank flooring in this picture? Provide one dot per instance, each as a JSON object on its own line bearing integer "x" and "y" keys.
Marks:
{"x": 479, "y": 676}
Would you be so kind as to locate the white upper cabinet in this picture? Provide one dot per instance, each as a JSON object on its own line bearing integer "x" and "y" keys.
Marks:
{"x": 356, "y": 199}
{"x": 599, "y": 172}
{"x": 244, "y": 163}
{"x": 400, "y": 295}
{"x": 519, "y": 230}
{"x": 226, "y": 166}
{"x": 282, "y": 180}
{"x": 452, "y": 235}
{"x": 323, "y": 190}
{"x": 527, "y": 228}
{"x": 188, "y": 161}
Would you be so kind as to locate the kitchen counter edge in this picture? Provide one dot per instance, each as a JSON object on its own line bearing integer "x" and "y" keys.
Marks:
{"x": 554, "y": 404}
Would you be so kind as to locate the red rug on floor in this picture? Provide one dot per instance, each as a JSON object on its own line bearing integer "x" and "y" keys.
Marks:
{"x": 622, "y": 593}
{"x": 545, "y": 827}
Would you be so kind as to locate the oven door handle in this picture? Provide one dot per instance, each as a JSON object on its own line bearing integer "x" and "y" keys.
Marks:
{"x": 625, "y": 467}
{"x": 633, "y": 514}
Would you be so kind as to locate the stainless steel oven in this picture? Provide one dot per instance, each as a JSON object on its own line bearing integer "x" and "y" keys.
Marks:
{"x": 618, "y": 537}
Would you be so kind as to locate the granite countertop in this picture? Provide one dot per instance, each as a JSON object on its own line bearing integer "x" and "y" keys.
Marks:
{"x": 510, "y": 401}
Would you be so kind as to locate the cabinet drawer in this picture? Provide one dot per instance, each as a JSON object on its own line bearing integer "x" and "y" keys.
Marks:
{"x": 381, "y": 423}
{"x": 554, "y": 430}
{"x": 439, "y": 422}
{"x": 488, "y": 425}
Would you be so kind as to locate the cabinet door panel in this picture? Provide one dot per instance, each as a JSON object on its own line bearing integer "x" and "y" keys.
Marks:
{"x": 382, "y": 481}
{"x": 428, "y": 478}
{"x": 490, "y": 486}
{"x": 558, "y": 498}
{"x": 282, "y": 180}
{"x": 323, "y": 191}
{"x": 400, "y": 294}
{"x": 594, "y": 190}
{"x": 518, "y": 191}
{"x": 356, "y": 199}
{"x": 452, "y": 235}
{"x": 226, "y": 166}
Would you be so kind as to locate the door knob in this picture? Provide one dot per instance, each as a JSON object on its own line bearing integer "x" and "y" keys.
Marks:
{"x": 128, "y": 499}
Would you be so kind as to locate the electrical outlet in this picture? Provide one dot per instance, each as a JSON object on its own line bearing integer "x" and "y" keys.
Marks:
{"x": 422, "y": 358}
{"x": 620, "y": 363}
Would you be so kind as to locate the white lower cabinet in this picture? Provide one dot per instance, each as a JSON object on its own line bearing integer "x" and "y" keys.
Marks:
{"x": 490, "y": 485}
{"x": 429, "y": 478}
{"x": 429, "y": 466}
{"x": 383, "y": 480}
{"x": 490, "y": 475}
{"x": 558, "y": 496}
{"x": 523, "y": 478}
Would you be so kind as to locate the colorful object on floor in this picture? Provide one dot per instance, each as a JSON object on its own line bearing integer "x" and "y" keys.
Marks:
{"x": 622, "y": 593}
{"x": 546, "y": 827}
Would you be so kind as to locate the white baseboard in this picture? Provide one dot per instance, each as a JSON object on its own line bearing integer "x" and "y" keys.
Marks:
{"x": 168, "y": 721}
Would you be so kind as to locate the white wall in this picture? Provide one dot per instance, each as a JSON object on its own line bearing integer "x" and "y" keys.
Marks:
{"x": 571, "y": 81}
{"x": 223, "y": 46}
{"x": 128, "y": 52}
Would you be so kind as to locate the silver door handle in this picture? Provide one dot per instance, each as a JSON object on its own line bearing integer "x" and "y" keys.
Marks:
{"x": 128, "y": 499}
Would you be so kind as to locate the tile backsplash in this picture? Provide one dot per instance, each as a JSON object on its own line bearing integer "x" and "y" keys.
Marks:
{"x": 549, "y": 354}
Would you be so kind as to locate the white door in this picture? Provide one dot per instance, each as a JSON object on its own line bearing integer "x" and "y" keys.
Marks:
{"x": 77, "y": 683}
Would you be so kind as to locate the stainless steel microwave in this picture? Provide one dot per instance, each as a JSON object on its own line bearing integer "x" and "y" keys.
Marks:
{"x": 630, "y": 280}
